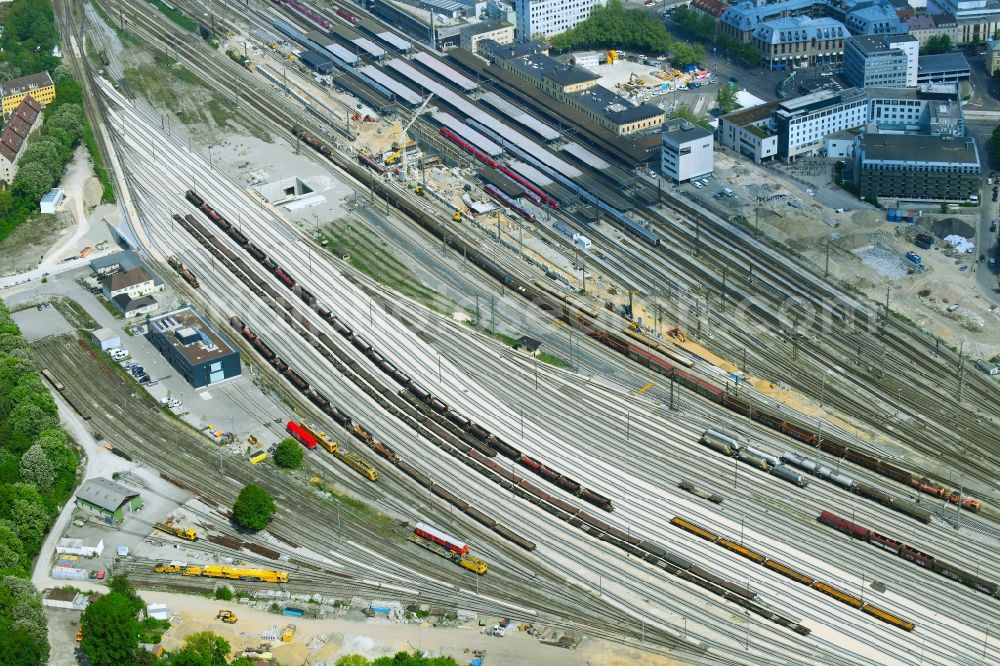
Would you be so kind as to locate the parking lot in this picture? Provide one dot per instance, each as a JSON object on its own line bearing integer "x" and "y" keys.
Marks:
{"x": 243, "y": 405}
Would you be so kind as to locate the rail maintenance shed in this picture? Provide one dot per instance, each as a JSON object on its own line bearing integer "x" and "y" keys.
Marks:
{"x": 107, "y": 500}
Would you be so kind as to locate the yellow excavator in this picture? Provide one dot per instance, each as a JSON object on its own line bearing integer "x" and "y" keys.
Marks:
{"x": 229, "y": 617}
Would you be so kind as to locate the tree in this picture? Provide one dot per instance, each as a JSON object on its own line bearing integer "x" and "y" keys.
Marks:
{"x": 684, "y": 112}
{"x": 613, "y": 26}
{"x": 682, "y": 54}
{"x": 254, "y": 508}
{"x": 68, "y": 117}
{"x": 937, "y": 44}
{"x": 353, "y": 660}
{"x": 111, "y": 631}
{"x": 120, "y": 584}
{"x": 288, "y": 454}
{"x": 202, "y": 649}
{"x": 11, "y": 550}
{"x": 32, "y": 181}
{"x": 36, "y": 467}
{"x": 19, "y": 647}
{"x": 726, "y": 98}
{"x": 696, "y": 24}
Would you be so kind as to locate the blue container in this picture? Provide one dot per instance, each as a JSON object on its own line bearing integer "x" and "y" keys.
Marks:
{"x": 294, "y": 612}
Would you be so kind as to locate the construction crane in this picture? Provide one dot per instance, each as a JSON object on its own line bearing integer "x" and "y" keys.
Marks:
{"x": 402, "y": 128}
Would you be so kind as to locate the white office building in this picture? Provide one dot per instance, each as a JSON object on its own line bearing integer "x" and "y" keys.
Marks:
{"x": 886, "y": 61}
{"x": 550, "y": 17}
{"x": 687, "y": 152}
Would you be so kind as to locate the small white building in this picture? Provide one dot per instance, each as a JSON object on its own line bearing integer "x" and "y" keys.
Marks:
{"x": 106, "y": 339}
{"x": 52, "y": 200}
{"x": 69, "y": 599}
{"x": 158, "y": 611}
{"x": 687, "y": 151}
{"x": 79, "y": 547}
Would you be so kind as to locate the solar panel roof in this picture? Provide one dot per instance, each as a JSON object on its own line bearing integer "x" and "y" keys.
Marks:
{"x": 585, "y": 156}
{"x": 519, "y": 116}
{"x": 369, "y": 46}
{"x": 394, "y": 40}
{"x": 467, "y": 133}
{"x": 342, "y": 53}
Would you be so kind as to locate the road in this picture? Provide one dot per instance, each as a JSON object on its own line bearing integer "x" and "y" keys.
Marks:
{"x": 986, "y": 241}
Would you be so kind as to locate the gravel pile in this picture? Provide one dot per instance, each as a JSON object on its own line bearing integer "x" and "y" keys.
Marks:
{"x": 883, "y": 260}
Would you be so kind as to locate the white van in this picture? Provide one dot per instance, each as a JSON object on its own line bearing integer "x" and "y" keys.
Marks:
{"x": 118, "y": 354}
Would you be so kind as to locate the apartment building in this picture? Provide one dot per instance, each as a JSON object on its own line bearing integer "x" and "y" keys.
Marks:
{"x": 550, "y": 17}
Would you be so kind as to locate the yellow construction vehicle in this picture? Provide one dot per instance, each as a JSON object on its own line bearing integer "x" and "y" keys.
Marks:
{"x": 79, "y": 634}
{"x": 288, "y": 633}
{"x": 191, "y": 571}
{"x": 457, "y": 217}
{"x": 180, "y": 532}
{"x": 229, "y": 617}
{"x": 173, "y": 567}
{"x": 419, "y": 190}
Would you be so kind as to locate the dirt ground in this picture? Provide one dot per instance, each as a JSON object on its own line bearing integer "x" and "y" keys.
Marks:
{"x": 323, "y": 641}
{"x": 868, "y": 253}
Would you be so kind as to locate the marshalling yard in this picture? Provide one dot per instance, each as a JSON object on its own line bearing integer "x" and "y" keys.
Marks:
{"x": 721, "y": 454}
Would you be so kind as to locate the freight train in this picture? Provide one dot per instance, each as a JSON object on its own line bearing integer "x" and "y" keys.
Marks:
{"x": 405, "y": 410}
{"x": 789, "y": 572}
{"x": 585, "y": 323}
{"x": 728, "y": 445}
{"x": 910, "y": 553}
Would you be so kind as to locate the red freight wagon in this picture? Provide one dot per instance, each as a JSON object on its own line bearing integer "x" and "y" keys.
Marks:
{"x": 844, "y": 525}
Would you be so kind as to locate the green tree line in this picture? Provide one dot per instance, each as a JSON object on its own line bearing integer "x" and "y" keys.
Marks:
{"x": 26, "y": 45}
{"x": 612, "y": 26}
{"x": 37, "y": 475}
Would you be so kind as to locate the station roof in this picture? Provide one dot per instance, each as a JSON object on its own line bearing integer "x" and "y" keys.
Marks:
{"x": 519, "y": 116}
{"x": 394, "y": 40}
{"x": 439, "y": 67}
{"x": 467, "y": 133}
{"x": 398, "y": 89}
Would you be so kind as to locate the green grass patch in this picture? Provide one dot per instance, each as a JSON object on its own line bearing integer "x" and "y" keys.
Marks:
{"x": 180, "y": 19}
{"x": 152, "y": 630}
{"x": 220, "y": 114}
{"x": 108, "y": 194}
{"x": 508, "y": 340}
{"x": 74, "y": 313}
{"x": 123, "y": 35}
{"x": 545, "y": 357}
{"x": 109, "y": 306}
{"x": 352, "y": 507}
{"x": 367, "y": 254}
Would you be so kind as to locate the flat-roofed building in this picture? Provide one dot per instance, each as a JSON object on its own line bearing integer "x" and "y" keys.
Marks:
{"x": 500, "y": 32}
{"x": 943, "y": 68}
{"x": 750, "y": 132}
{"x": 687, "y": 151}
{"x": 200, "y": 353}
{"x": 550, "y": 17}
{"x": 887, "y": 61}
{"x": 916, "y": 167}
{"x": 804, "y": 122}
